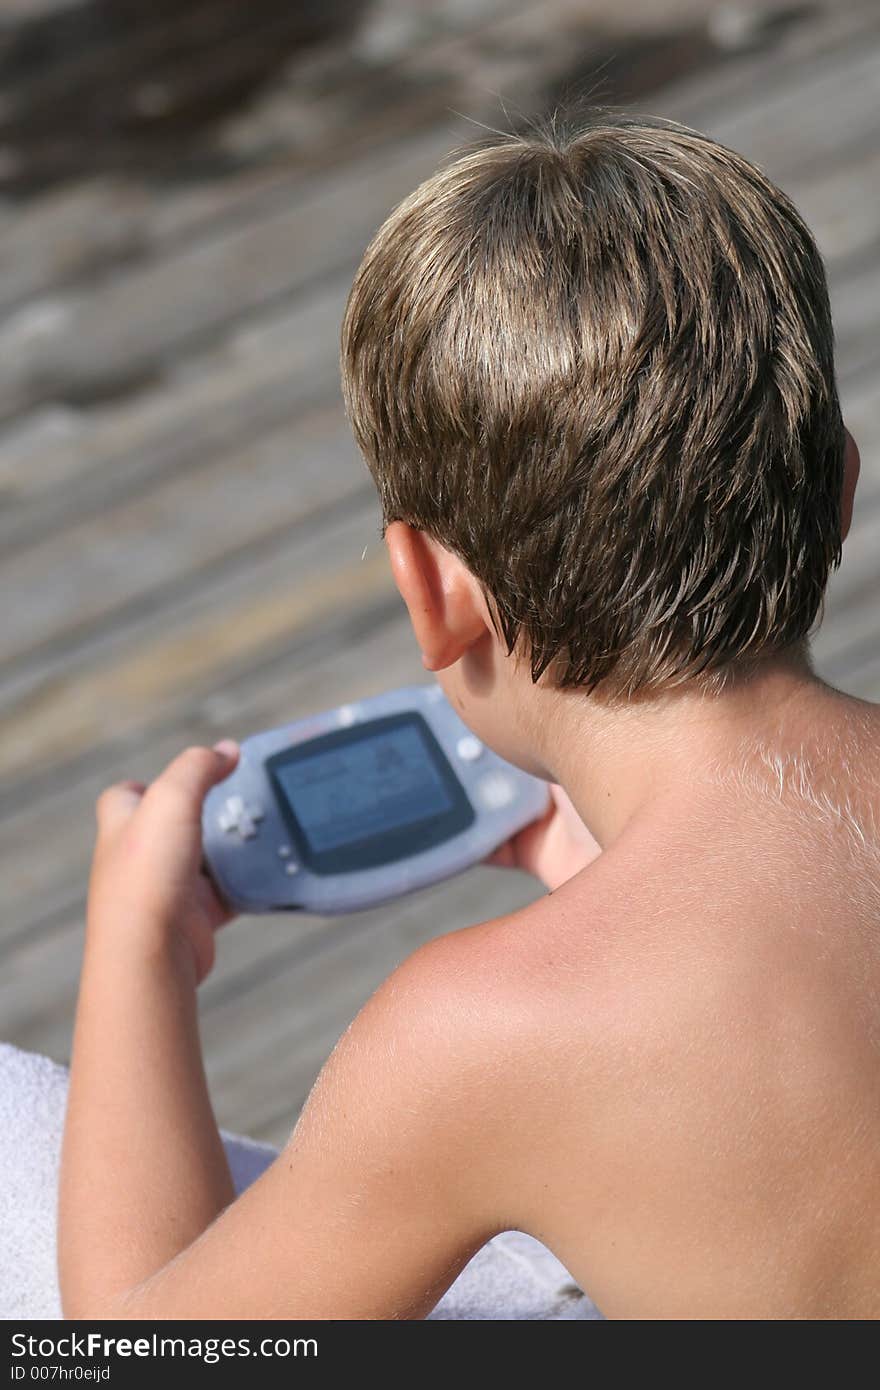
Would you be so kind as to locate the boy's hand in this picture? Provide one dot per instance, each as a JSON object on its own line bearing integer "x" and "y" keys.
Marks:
{"x": 147, "y": 884}
{"x": 553, "y": 848}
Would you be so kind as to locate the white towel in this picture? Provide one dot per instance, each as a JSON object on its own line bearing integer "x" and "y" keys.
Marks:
{"x": 513, "y": 1278}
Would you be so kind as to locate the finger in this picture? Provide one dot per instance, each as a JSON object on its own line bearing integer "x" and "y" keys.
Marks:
{"x": 571, "y": 819}
{"x": 216, "y": 909}
{"x": 187, "y": 780}
{"x": 504, "y": 857}
{"x": 117, "y": 804}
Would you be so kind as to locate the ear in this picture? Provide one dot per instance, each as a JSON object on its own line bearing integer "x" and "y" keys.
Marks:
{"x": 851, "y": 467}
{"x": 445, "y": 605}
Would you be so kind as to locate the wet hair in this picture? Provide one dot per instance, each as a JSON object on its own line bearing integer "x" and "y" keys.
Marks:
{"x": 595, "y": 361}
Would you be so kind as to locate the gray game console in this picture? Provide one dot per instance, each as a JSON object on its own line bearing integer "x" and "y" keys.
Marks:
{"x": 349, "y": 808}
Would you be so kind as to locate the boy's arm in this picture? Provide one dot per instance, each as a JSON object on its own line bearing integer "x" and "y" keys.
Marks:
{"x": 386, "y": 1187}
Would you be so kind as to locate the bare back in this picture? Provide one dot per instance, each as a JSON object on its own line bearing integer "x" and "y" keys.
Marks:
{"x": 701, "y": 1084}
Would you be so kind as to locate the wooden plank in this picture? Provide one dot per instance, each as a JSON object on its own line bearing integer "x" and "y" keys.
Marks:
{"x": 782, "y": 71}
{"x": 59, "y": 241}
{"x": 158, "y": 543}
{"x": 863, "y": 674}
{"x": 842, "y": 206}
{"x": 74, "y": 713}
{"x": 836, "y": 110}
{"x": 72, "y": 231}
{"x": 210, "y": 44}
{"x": 60, "y": 463}
{"x": 90, "y": 344}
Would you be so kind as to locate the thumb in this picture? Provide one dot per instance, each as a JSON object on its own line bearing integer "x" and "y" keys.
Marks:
{"x": 117, "y": 804}
{"x": 187, "y": 780}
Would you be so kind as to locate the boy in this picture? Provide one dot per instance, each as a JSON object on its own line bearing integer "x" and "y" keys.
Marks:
{"x": 591, "y": 373}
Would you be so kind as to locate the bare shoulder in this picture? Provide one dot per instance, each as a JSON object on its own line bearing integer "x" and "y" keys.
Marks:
{"x": 482, "y": 1012}
{"x": 451, "y": 1011}
{"x": 482, "y": 1048}
{"x": 444, "y": 1056}
{"x": 468, "y": 996}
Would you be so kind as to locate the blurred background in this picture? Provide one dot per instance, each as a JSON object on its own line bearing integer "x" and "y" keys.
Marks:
{"x": 186, "y": 190}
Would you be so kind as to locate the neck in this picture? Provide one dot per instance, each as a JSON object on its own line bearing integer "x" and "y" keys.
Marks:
{"x": 616, "y": 759}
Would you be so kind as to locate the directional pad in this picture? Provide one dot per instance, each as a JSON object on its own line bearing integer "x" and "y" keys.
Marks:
{"x": 241, "y": 816}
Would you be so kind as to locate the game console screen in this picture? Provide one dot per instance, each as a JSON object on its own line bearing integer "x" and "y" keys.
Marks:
{"x": 364, "y": 787}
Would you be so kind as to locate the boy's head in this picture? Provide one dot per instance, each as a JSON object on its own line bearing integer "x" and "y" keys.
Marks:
{"x": 595, "y": 366}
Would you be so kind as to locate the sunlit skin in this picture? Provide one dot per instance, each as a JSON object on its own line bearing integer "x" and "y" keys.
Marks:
{"x": 666, "y": 1068}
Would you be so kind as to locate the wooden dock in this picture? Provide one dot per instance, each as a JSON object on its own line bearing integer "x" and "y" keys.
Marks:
{"x": 185, "y": 193}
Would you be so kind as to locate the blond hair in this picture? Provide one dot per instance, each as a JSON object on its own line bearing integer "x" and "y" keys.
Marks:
{"x": 596, "y": 363}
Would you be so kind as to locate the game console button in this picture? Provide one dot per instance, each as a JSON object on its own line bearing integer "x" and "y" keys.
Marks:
{"x": 469, "y": 748}
{"x": 496, "y": 790}
{"x": 233, "y": 810}
{"x": 236, "y": 815}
